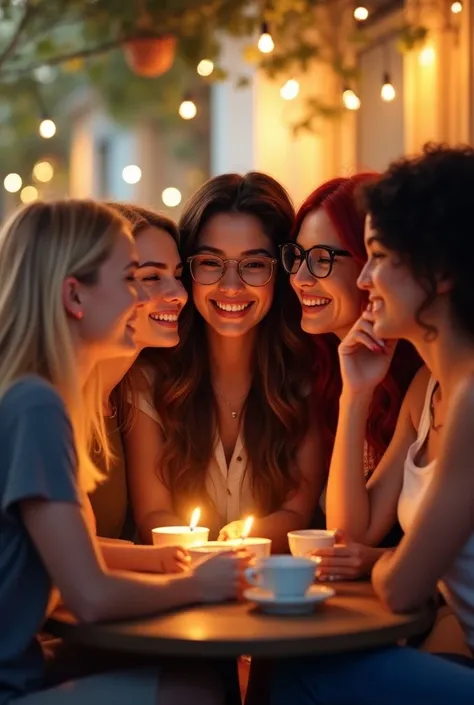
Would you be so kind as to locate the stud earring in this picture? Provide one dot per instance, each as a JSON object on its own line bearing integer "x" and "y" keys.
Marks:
{"x": 79, "y": 315}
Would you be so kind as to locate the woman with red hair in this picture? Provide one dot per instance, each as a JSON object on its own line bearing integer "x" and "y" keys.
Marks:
{"x": 324, "y": 259}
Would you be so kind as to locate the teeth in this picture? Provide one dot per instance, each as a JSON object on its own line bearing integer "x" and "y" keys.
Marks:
{"x": 316, "y": 302}
{"x": 376, "y": 305}
{"x": 164, "y": 316}
{"x": 232, "y": 307}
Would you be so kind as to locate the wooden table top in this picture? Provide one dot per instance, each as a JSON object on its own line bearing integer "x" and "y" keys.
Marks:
{"x": 353, "y": 619}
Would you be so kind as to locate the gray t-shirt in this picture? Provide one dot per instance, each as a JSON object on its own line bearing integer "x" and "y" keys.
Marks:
{"x": 37, "y": 460}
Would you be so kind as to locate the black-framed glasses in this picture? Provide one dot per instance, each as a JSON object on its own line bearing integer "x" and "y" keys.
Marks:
{"x": 209, "y": 269}
{"x": 319, "y": 259}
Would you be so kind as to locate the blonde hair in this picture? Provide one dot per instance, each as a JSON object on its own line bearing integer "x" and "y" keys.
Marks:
{"x": 40, "y": 246}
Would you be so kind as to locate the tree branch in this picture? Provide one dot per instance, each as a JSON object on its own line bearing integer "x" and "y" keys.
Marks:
{"x": 13, "y": 43}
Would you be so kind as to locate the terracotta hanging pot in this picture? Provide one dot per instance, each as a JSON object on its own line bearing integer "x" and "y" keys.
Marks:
{"x": 151, "y": 57}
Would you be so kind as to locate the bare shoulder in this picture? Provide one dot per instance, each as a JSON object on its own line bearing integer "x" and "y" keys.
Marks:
{"x": 416, "y": 395}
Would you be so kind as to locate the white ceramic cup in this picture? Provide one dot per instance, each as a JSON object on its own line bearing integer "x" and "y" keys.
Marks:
{"x": 284, "y": 576}
{"x": 306, "y": 540}
{"x": 258, "y": 548}
{"x": 179, "y": 536}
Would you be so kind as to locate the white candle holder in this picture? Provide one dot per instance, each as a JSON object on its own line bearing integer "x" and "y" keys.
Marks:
{"x": 180, "y": 536}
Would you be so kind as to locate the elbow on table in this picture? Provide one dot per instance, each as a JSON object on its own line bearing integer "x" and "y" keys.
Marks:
{"x": 90, "y": 604}
{"x": 396, "y": 600}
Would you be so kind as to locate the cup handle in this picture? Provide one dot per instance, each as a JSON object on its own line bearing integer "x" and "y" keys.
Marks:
{"x": 252, "y": 576}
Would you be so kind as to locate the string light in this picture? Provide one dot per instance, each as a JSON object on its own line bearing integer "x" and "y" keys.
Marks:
{"x": 426, "y": 56}
{"x": 290, "y": 89}
{"x": 171, "y": 197}
{"x": 265, "y": 42}
{"x": 350, "y": 99}
{"x": 205, "y": 67}
{"x": 361, "y": 13}
{"x": 187, "y": 109}
{"x": 12, "y": 183}
{"x": 43, "y": 171}
{"x": 131, "y": 174}
{"x": 47, "y": 128}
{"x": 29, "y": 194}
{"x": 456, "y": 7}
{"x": 387, "y": 92}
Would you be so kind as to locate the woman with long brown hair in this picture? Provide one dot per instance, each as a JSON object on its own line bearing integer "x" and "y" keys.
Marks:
{"x": 226, "y": 424}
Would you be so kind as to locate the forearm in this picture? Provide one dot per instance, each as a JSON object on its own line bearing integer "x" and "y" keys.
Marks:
{"x": 347, "y": 501}
{"x": 276, "y": 527}
{"x": 133, "y": 595}
{"x": 153, "y": 520}
{"x": 126, "y": 556}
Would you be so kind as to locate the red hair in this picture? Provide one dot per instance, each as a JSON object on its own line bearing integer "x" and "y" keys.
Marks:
{"x": 339, "y": 200}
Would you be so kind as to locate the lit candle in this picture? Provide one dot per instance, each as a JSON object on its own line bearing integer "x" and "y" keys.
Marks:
{"x": 247, "y": 528}
{"x": 195, "y": 516}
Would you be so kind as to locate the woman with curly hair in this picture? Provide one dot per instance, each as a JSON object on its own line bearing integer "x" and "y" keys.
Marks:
{"x": 419, "y": 281}
{"x": 227, "y": 425}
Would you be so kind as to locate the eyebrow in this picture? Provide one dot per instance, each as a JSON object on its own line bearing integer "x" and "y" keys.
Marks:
{"x": 132, "y": 265}
{"x": 157, "y": 265}
{"x": 247, "y": 253}
{"x": 371, "y": 239}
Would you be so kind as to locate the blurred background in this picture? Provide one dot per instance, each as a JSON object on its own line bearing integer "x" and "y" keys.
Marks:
{"x": 143, "y": 100}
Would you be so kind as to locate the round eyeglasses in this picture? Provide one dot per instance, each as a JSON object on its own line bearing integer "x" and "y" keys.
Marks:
{"x": 209, "y": 269}
{"x": 319, "y": 259}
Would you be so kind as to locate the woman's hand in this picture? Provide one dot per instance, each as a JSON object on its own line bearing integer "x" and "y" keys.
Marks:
{"x": 232, "y": 531}
{"x": 171, "y": 559}
{"x": 346, "y": 560}
{"x": 220, "y": 577}
{"x": 364, "y": 358}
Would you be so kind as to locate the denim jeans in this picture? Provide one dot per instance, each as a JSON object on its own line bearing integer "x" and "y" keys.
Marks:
{"x": 392, "y": 676}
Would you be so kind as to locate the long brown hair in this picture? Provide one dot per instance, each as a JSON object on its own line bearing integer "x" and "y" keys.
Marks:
{"x": 276, "y": 412}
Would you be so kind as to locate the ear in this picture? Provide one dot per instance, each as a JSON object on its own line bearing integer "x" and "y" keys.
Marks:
{"x": 72, "y": 298}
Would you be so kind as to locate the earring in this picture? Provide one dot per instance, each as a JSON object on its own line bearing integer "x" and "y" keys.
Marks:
{"x": 79, "y": 315}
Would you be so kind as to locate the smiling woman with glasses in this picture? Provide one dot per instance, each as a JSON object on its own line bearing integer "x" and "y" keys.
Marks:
{"x": 231, "y": 414}
{"x": 319, "y": 258}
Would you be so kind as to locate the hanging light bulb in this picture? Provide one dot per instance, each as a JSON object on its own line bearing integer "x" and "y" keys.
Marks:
{"x": 205, "y": 67}
{"x": 265, "y": 42}
{"x": 47, "y": 128}
{"x": 350, "y": 99}
{"x": 290, "y": 89}
{"x": 456, "y": 7}
{"x": 187, "y": 109}
{"x": 361, "y": 13}
{"x": 387, "y": 92}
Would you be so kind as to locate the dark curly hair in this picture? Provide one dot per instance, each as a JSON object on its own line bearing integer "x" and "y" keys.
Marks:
{"x": 421, "y": 209}
{"x": 276, "y": 412}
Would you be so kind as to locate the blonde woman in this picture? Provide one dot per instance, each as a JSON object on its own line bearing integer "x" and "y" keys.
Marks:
{"x": 67, "y": 299}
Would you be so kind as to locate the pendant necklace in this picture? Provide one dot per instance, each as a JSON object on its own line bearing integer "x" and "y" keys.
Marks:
{"x": 233, "y": 413}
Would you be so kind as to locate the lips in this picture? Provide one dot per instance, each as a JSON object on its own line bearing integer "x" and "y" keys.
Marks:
{"x": 375, "y": 304}
{"x": 169, "y": 319}
{"x": 232, "y": 309}
{"x": 314, "y": 304}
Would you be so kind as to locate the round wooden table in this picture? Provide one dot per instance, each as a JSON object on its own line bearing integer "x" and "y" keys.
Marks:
{"x": 353, "y": 619}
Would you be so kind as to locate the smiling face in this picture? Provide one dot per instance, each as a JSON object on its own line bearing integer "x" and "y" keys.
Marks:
{"x": 159, "y": 273}
{"x": 109, "y": 307}
{"x": 394, "y": 294}
{"x": 232, "y": 307}
{"x": 332, "y": 304}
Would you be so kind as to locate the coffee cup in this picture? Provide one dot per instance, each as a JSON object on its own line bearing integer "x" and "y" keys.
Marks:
{"x": 284, "y": 576}
{"x": 305, "y": 541}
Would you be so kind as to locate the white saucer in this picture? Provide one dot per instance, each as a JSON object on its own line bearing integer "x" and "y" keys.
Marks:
{"x": 289, "y": 605}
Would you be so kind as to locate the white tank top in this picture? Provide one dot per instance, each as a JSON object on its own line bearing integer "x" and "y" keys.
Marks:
{"x": 457, "y": 585}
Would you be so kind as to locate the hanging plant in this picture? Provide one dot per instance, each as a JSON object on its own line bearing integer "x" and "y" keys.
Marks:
{"x": 150, "y": 57}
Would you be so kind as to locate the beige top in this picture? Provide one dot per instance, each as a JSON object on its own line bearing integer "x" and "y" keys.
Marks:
{"x": 228, "y": 486}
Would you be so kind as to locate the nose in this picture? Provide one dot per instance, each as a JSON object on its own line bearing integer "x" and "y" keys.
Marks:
{"x": 231, "y": 281}
{"x": 303, "y": 277}
{"x": 176, "y": 293}
{"x": 364, "y": 280}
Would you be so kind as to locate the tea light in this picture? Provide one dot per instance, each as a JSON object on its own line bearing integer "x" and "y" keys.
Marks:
{"x": 185, "y": 536}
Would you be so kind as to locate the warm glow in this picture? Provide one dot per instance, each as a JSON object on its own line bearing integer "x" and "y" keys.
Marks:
{"x": 195, "y": 516}
{"x": 290, "y": 89}
{"x": 456, "y": 8}
{"x": 265, "y": 42}
{"x": 171, "y": 197}
{"x": 188, "y": 109}
{"x": 43, "y": 172}
{"x": 388, "y": 92}
{"x": 131, "y": 174}
{"x": 426, "y": 56}
{"x": 247, "y": 527}
{"x": 351, "y": 100}
{"x": 29, "y": 194}
{"x": 205, "y": 67}
{"x": 12, "y": 183}
{"x": 361, "y": 13}
{"x": 47, "y": 129}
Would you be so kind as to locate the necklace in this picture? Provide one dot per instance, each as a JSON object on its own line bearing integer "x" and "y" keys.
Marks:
{"x": 233, "y": 413}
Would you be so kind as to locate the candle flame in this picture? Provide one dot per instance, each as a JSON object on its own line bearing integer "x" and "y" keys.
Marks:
{"x": 195, "y": 516}
{"x": 247, "y": 527}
